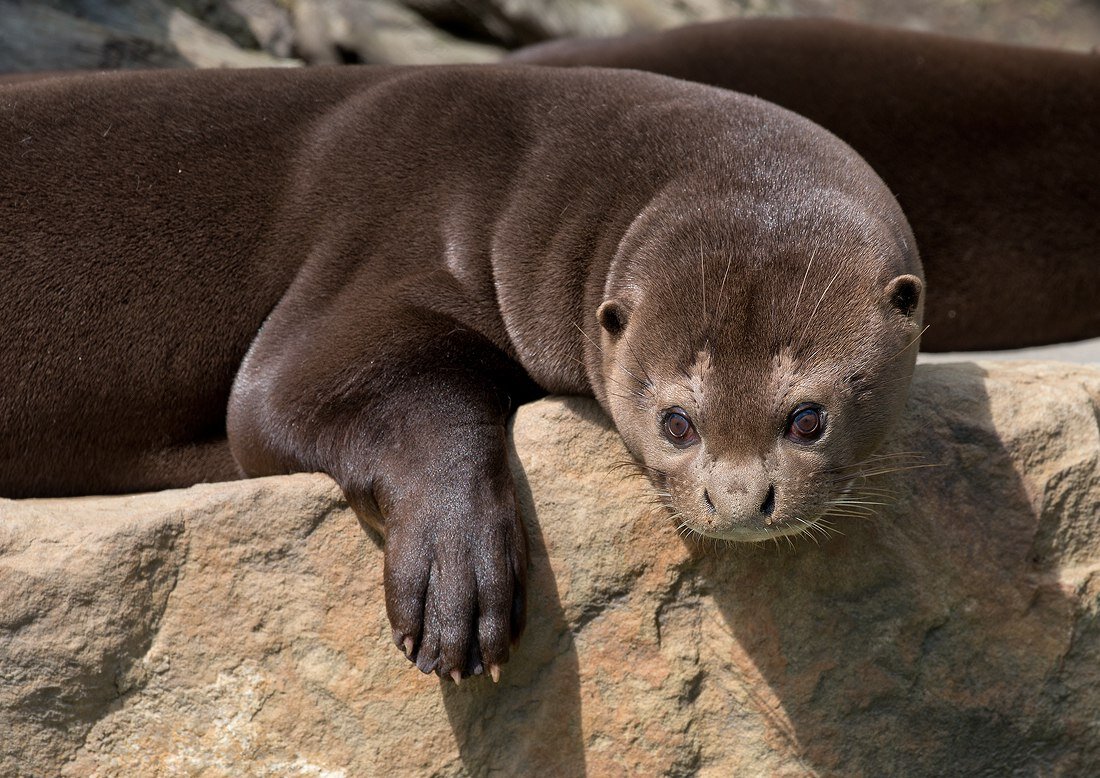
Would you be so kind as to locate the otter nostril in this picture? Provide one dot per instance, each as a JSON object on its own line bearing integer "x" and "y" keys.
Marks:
{"x": 710, "y": 505}
{"x": 769, "y": 502}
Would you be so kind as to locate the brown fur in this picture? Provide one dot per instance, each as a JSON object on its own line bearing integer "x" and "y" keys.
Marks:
{"x": 990, "y": 149}
{"x": 367, "y": 269}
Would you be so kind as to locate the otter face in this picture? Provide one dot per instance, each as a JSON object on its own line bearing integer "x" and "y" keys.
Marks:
{"x": 756, "y": 423}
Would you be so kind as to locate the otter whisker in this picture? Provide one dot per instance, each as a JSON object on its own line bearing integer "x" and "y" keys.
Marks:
{"x": 888, "y": 497}
{"x": 818, "y": 526}
{"x": 847, "y": 503}
{"x": 890, "y": 462}
{"x": 683, "y": 528}
{"x": 647, "y": 468}
{"x": 892, "y": 454}
{"x": 857, "y": 505}
{"x": 861, "y": 505}
{"x": 878, "y": 459}
{"x": 804, "y": 532}
{"x": 640, "y": 363}
{"x": 910, "y": 343}
{"x": 853, "y": 483}
{"x": 854, "y": 509}
{"x": 849, "y": 479}
{"x": 806, "y": 326}
{"x": 631, "y": 467}
{"x": 896, "y": 470}
{"x": 838, "y": 514}
{"x": 615, "y": 381}
{"x": 848, "y": 517}
{"x": 620, "y": 365}
{"x": 629, "y": 399}
{"x": 702, "y": 278}
{"x": 588, "y": 337}
{"x": 850, "y": 510}
{"x": 722, "y": 288}
{"x": 805, "y": 275}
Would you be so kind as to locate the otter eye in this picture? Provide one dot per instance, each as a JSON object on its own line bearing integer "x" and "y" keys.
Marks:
{"x": 678, "y": 428}
{"x": 806, "y": 424}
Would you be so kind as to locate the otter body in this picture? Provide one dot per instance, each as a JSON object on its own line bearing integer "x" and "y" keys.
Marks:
{"x": 990, "y": 149}
{"x": 216, "y": 274}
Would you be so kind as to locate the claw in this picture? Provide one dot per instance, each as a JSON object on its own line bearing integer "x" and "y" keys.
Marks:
{"x": 408, "y": 647}
{"x": 494, "y": 670}
{"x": 457, "y": 676}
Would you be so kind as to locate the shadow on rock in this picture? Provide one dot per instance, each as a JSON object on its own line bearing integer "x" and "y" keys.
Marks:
{"x": 932, "y": 638}
{"x": 506, "y": 728}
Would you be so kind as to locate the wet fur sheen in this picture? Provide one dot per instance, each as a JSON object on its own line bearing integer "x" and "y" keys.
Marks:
{"x": 362, "y": 272}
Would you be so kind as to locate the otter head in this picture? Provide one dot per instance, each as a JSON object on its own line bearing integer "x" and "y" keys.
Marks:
{"x": 756, "y": 364}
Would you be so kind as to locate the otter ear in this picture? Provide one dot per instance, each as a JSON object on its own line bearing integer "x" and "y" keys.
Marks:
{"x": 904, "y": 294}
{"x": 612, "y": 316}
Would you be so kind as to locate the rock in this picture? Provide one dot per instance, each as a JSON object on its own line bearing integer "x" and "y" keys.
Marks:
{"x": 330, "y": 32}
{"x": 37, "y": 37}
{"x": 509, "y": 23}
{"x": 240, "y": 628}
{"x": 518, "y": 22}
{"x": 92, "y": 34}
{"x": 408, "y": 32}
{"x": 251, "y": 24}
{"x": 73, "y": 34}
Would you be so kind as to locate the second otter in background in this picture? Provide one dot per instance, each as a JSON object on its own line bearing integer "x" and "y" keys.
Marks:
{"x": 992, "y": 151}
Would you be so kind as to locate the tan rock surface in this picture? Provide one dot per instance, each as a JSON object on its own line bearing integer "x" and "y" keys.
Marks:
{"x": 239, "y": 629}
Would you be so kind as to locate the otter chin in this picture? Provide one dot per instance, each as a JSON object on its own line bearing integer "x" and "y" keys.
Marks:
{"x": 753, "y": 377}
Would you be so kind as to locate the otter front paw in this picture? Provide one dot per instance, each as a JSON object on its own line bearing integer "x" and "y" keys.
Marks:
{"x": 456, "y": 585}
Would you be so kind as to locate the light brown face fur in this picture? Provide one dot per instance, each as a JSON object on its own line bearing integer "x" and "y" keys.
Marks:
{"x": 814, "y": 310}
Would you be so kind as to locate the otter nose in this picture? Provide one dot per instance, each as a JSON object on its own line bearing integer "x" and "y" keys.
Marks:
{"x": 746, "y": 504}
{"x": 742, "y": 494}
